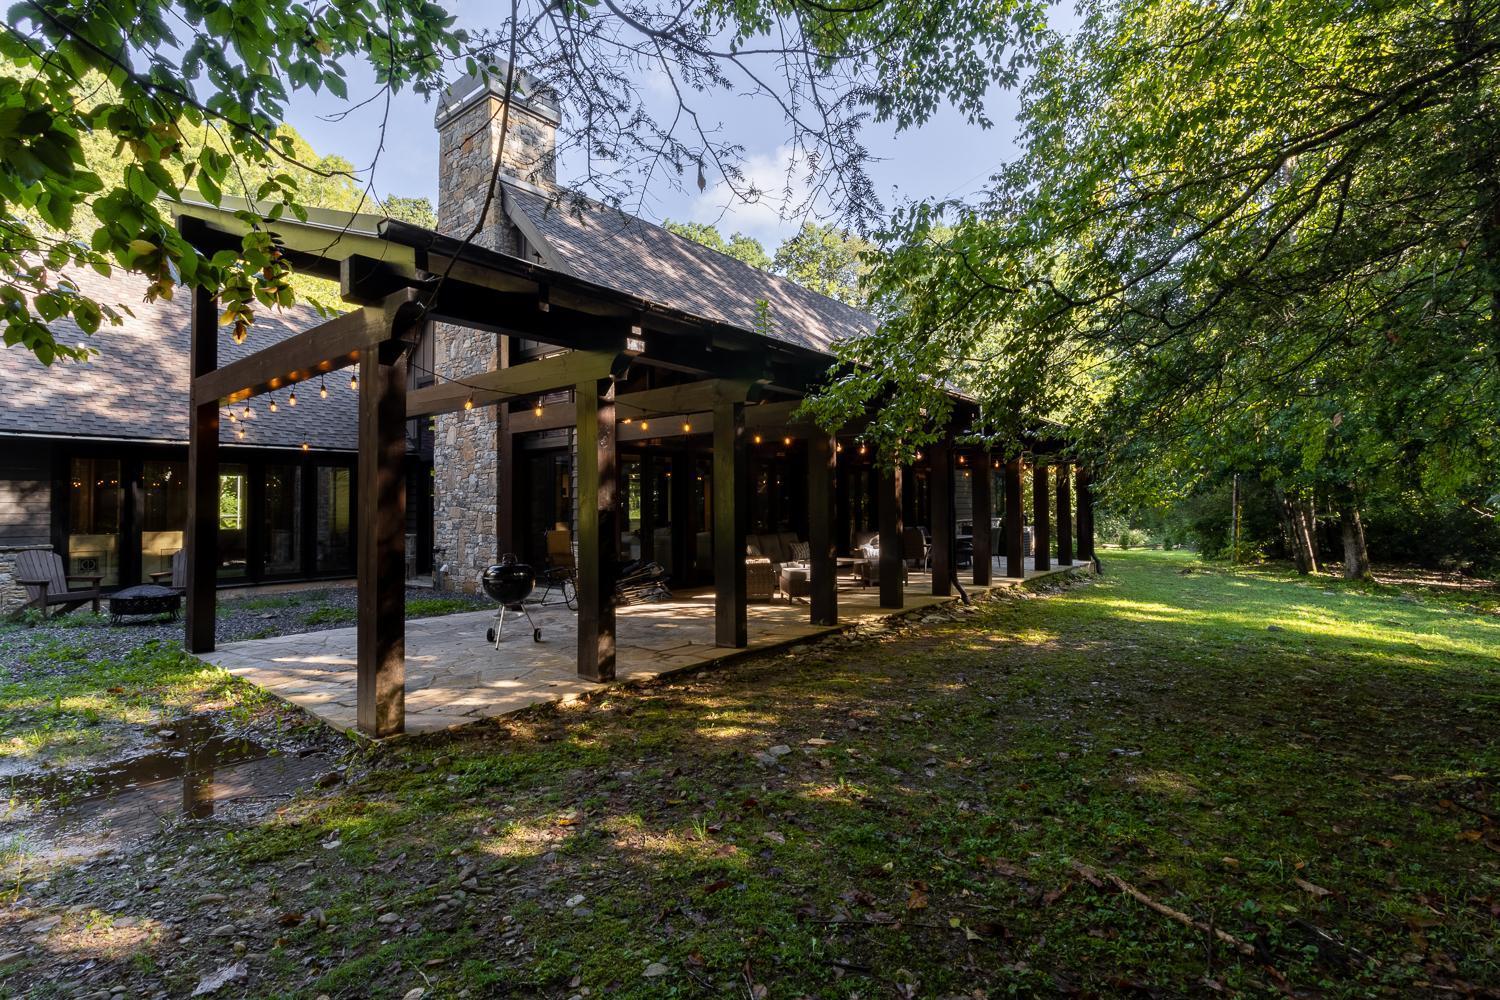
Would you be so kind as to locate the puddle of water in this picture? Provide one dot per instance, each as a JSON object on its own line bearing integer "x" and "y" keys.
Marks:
{"x": 196, "y": 773}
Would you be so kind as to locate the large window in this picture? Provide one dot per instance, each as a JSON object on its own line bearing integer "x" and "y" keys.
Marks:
{"x": 94, "y": 519}
{"x": 335, "y": 536}
{"x": 163, "y": 514}
{"x": 234, "y": 520}
{"x": 282, "y": 536}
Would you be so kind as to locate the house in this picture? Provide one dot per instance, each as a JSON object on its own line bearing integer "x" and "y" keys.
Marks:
{"x": 589, "y": 376}
{"x": 93, "y": 457}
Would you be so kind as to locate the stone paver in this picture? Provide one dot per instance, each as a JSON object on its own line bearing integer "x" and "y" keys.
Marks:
{"x": 454, "y": 677}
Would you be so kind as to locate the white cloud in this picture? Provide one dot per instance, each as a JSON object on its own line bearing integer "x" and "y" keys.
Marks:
{"x": 776, "y": 186}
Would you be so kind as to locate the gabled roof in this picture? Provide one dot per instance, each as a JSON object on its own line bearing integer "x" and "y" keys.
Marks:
{"x": 608, "y": 247}
{"x": 137, "y": 388}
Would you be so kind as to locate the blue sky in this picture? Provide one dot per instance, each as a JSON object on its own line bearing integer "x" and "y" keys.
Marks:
{"x": 945, "y": 157}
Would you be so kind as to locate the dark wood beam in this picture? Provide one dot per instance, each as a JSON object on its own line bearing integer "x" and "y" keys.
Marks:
{"x": 506, "y": 500}
{"x": 821, "y": 465}
{"x": 202, "y": 538}
{"x": 982, "y": 476}
{"x": 1064, "y": 515}
{"x": 533, "y": 378}
{"x": 892, "y": 551}
{"x": 598, "y": 505}
{"x": 1015, "y": 537}
{"x": 335, "y": 344}
{"x": 689, "y": 397}
{"x": 1041, "y": 516}
{"x": 731, "y": 515}
{"x": 944, "y": 542}
{"x": 381, "y": 526}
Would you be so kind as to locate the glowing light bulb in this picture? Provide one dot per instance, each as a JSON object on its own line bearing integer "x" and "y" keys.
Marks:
{"x": 861, "y": 448}
{"x": 687, "y": 428}
{"x": 292, "y": 399}
{"x": 354, "y": 382}
{"x": 304, "y": 446}
{"x": 537, "y": 410}
{"x": 646, "y": 426}
{"x": 787, "y": 441}
{"x": 246, "y": 414}
{"x": 273, "y": 404}
{"x": 757, "y": 439}
{"x": 322, "y": 388}
{"x": 469, "y": 403}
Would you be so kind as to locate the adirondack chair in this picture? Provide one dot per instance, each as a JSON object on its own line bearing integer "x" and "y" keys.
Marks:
{"x": 46, "y": 582}
{"x": 176, "y": 577}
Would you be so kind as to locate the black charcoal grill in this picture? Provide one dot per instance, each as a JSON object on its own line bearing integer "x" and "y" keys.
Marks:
{"x": 509, "y": 582}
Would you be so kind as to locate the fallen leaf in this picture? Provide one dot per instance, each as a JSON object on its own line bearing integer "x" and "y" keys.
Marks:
{"x": 1316, "y": 890}
{"x": 917, "y": 900}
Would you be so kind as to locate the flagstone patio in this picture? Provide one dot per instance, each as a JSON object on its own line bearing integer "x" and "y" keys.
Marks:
{"x": 454, "y": 677}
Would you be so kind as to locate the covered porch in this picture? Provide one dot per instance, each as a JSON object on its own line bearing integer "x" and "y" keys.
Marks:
{"x": 454, "y": 677}
{"x": 693, "y": 405}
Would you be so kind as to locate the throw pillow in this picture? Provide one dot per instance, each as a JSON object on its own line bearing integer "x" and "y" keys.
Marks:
{"x": 801, "y": 551}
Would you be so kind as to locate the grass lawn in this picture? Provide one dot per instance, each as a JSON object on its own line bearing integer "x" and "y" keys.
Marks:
{"x": 1301, "y": 770}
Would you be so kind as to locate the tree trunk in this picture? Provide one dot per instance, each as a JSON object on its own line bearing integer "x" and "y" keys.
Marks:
{"x": 1356, "y": 557}
{"x": 1298, "y": 525}
{"x": 1307, "y": 524}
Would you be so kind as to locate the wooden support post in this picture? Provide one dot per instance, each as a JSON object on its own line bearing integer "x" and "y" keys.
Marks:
{"x": 202, "y": 539}
{"x": 381, "y": 525}
{"x": 1015, "y": 536}
{"x": 1064, "y": 515}
{"x": 940, "y": 475}
{"x": 648, "y": 508}
{"x": 892, "y": 557}
{"x": 731, "y": 515}
{"x": 505, "y": 469}
{"x": 598, "y": 563}
{"x": 1085, "y": 482}
{"x": 821, "y": 466}
{"x": 982, "y": 477}
{"x": 1041, "y": 514}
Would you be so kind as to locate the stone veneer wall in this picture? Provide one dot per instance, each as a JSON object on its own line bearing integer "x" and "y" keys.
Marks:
{"x": 12, "y": 594}
{"x": 465, "y": 446}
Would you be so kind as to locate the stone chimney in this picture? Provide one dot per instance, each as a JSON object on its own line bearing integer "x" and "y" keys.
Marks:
{"x": 466, "y": 443}
{"x": 468, "y": 124}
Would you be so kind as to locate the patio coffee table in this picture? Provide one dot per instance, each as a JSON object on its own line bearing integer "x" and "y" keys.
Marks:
{"x": 147, "y": 599}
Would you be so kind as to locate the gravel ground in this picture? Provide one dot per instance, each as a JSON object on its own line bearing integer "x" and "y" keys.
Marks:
{"x": 238, "y": 618}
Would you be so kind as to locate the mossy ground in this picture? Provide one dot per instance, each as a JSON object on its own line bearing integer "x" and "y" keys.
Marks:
{"x": 1305, "y": 766}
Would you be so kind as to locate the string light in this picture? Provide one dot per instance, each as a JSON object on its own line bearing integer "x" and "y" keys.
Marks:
{"x": 469, "y": 403}
{"x": 627, "y": 421}
{"x": 787, "y": 441}
{"x": 273, "y": 403}
{"x": 247, "y": 414}
{"x": 241, "y": 432}
{"x": 838, "y": 448}
{"x": 861, "y": 447}
{"x": 757, "y": 439}
{"x": 354, "y": 381}
{"x": 304, "y": 446}
{"x": 322, "y": 387}
{"x": 646, "y": 426}
{"x": 292, "y": 399}
{"x": 687, "y": 428}
{"x": 537, "y": 410}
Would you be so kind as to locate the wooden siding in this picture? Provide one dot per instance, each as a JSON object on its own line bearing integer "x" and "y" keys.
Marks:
{"x": 25, "y": 493}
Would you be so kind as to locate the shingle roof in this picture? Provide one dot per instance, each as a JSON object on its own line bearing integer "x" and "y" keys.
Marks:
{"x": 604, "y": 245}
{"x": 137, "y": 388}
